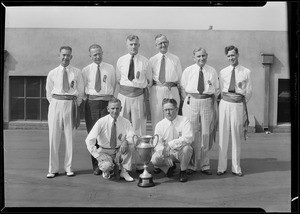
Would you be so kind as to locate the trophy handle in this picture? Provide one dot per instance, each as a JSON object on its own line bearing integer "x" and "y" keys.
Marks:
{"x": 156, "y": 135}
{"x": 135, "y": 143}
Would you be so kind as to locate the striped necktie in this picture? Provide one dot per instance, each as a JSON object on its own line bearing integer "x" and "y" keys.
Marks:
{"x": 113, "y": 135}
{"x": 162, "y": 72}
{"x": 131, "y": 69}
{"x": 200, "y": 81}
{"x": 98, "y": 79}
{"x": 232, "y": 82}
{"x": 66, "y": 86}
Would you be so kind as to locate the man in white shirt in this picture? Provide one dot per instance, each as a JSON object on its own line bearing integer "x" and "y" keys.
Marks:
{"x": 236, "y": 87}
{"x": 166, "y": 73}
{"x": 99, "y": 84}
{"x": 133, "y": 78}
{"x": 113, "y": 133}
{"x": 200, "y": 87}
{"x": 64, "y": 91}
{"x": 175, "y": 137}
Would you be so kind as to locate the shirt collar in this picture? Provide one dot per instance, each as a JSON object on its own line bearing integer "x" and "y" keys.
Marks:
{"x": 160, "y": 54}
{"x": 173, "y": 121}
{"x": 62, "y": 67}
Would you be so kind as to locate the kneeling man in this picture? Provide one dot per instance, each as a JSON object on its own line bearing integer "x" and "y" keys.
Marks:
{"x": 113, "y": 133}
{"x": 175, "y": 137}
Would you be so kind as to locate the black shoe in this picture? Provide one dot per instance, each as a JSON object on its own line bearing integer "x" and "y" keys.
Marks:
{"x": 183, "y": 176}
{"x": 97, "y": 171}
{"x": 190, "y": 171}
{"x": 139, "y": 171}
{"x": 207, "y": 172}
{"x": 240, "y": 174}
{"x": 156, "y": 170}
{"x": 221, "y": 173}
{"x": 170, "y": 172}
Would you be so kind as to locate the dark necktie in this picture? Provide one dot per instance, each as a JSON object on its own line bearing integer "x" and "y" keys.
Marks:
{"x": 162, "y": 72}
{"x": 131, "y": 69}
{"x": 66, "y": 86}
{"x": 201, "y": 81}
{"x": 232, "y": 82}
{"x": 113, "y": 135}
{"x": 98, "y": 79}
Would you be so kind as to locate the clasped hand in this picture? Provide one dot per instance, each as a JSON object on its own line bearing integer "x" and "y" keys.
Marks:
{"x": 124, "y": 147}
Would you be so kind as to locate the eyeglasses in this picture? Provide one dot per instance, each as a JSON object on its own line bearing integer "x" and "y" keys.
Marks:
{"x": 169, "y": 109}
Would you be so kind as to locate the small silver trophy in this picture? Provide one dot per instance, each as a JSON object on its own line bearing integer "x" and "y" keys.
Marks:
{"x": 144, "y": 147}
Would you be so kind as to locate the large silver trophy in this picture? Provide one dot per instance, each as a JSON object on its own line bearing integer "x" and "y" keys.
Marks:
{"x": 144, "y": 147}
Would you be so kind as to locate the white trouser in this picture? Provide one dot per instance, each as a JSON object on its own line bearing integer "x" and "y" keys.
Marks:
{"x": 59, "y": 119}
{"x": 200, "y": 113}
{"x": 230, "y": 122}
{"x": 157, "y": 94}
{"x": 182, "y": 156}
{"x": 133, "y": 110}
{"x": 106, "y": 163}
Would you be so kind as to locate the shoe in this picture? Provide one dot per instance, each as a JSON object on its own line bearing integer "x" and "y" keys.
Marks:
{"x": 240, "y": 174}
{"x": 221, "y": 173}
{"x": 139, "y": 171}
{"x": 70, "y": 174}
{"x": 106, "y": 175}
{"x": 52, "y": 175}
{"x": 97, "y": 171}
{"x": 170, "y": 172}
{"x": 190, "y": 171}
{"x": 124, "y": 174}
{"x": 156, "y": 170}
{"x": 183, "y": 176}
{"x": 207, "y": 172}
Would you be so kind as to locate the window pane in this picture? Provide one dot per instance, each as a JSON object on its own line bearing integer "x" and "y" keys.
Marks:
{"x": 33, "y": 109}
{"x": 17, "y": 109}
{"x": 17, "y": 86}
{"x": 33, "y": 87}
{"x": 45, "y": 106}
{"x": 44, "y": 86}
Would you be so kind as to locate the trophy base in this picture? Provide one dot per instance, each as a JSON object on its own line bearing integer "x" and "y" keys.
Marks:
{"x": 146, "y": 182}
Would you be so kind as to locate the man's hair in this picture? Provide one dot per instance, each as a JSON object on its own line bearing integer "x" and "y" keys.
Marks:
{"x": 160, "y": 35}
{"x": 132, "y": 37}
{"x": 198, "y": 49}
{"x": 94, "y": 46}
{"x": 169, "y": 100}
{"x": 231, "y": 47}
{"x": 114, "y": 100}
{"x": 66, "y": 48}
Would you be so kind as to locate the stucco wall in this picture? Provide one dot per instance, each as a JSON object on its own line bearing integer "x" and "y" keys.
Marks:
{"x": 35, "y": 52}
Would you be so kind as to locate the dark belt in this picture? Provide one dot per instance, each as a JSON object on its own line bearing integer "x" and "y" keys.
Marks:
{"x": 166, "y": 84}
{"x": 75, "y": 112}
{"x": 99, "y": 97}
{"x": 131, "y": 91}
{"x": 199, "y": 96}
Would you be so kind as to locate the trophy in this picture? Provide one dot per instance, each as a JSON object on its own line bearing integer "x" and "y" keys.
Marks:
{"x": 144, "y": 147}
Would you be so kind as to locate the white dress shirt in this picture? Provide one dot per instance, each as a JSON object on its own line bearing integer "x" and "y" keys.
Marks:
{"x": 177, "y": 135}
{"x": 54, "y": 83}
{"x": 243, "y": 83}
{"x": 173, "y": 70}
{"x": 142, "y": 72}
{"x": 189, "y": 79}
{"x": 101, "y": 132}
{"x": 108, "y": 79}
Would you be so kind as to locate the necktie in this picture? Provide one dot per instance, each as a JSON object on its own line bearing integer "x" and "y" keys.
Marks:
{"x": 113, "y": 135}
{"x": 201, "y": 81}
{"x": 232, "y": 82}
{"x": 131, "y": 69}
{"x": 66, "y": 86}
{"x": 98, "y": 79}
{"x": 171, "y": 131}
{"x": 162, "y": 72}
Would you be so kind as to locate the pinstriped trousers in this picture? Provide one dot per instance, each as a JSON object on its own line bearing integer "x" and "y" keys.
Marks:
{"x": 60, "y": 120}
{"x": 230, "y": 123}
{"x": 200, "y": 113}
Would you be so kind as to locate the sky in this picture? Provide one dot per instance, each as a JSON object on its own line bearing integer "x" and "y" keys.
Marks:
{"x": 271, "y": 17}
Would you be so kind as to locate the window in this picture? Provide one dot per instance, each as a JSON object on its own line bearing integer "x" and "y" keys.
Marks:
{"x": 28, "y": 99}
{"x": 284, "y": 101}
